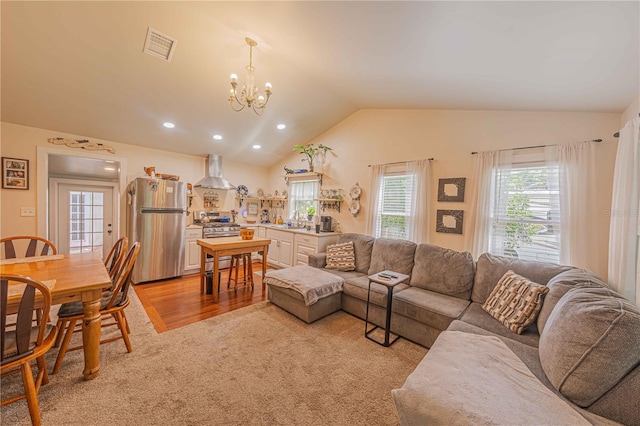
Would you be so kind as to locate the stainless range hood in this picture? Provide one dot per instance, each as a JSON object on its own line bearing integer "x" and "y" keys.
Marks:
{"x": 214, "y": 179}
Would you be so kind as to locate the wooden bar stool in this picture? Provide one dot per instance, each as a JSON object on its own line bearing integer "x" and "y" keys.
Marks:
{"x": 247, "y": 270}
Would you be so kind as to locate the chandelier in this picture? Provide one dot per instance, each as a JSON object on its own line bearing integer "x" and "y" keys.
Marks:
{"x": 248, "y": 96}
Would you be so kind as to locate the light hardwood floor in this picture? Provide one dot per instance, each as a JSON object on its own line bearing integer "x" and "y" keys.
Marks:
{"x": 177, "y": 302}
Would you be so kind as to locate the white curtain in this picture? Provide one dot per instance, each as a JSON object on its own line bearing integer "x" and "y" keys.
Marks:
{"x": 624, "y": 267}
{"x": 578, "y": 208}
{"x": 301, "y": 191}
{"x": 376, "y": 173}
{"x": 483, "y": 201}
{"x": 418, "y": 228}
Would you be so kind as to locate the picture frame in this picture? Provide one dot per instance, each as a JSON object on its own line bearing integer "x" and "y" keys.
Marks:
{"x": 449, "y": 221}
{"x": 451, "y": 189}
{"x": 15, "y": 173}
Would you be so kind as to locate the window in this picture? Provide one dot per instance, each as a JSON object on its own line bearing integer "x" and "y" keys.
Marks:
{"x": 302, "y": 195}
{"x": 394, "y": 206}
{"x": 525, "y": 216}
{"x": 86, "y": 221}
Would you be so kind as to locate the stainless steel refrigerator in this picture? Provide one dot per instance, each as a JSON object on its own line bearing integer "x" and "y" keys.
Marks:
{"x": 156, "y": 216}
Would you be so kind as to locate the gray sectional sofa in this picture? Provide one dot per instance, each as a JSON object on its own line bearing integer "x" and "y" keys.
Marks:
{"x": 578, "y": 363}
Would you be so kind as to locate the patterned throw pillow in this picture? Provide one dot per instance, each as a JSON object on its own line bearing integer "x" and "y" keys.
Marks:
{"x": 341, "y": 257}
{"x": 515, "y": 301}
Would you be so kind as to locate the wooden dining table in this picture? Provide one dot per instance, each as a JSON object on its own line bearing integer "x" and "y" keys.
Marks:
{"x": 228, "y": 246}
{"x": 73, "y": 277}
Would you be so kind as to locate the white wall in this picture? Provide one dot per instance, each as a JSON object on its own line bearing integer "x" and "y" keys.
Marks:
{"x": 21, "y": 142}
{"x": 382, "y": 136}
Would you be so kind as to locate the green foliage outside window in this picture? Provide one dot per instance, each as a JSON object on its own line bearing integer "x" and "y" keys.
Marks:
{"x": 519, "y": 208}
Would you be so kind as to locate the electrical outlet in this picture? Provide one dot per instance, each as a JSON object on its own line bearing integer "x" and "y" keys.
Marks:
{"x": 27, "y": 211}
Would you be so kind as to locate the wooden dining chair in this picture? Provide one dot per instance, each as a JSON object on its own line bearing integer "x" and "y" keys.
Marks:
{"x": 112, "y": 306}
{"x": 22, "y": 342}
{"x": 26, "y": 246}
{"x": 115, "y": 256}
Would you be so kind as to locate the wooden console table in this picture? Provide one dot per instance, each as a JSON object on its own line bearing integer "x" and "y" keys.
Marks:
{"x": 228, "y": 246}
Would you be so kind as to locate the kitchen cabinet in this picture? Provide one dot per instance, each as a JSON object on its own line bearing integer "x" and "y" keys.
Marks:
{"x": 281, "y": 247}
{"x": 192, "y": 250}
{"x": 306, "y": 244}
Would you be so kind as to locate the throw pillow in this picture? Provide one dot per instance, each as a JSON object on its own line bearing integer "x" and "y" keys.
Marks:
{"x": 341, "y": 257}
{"x": 515, "y": 301}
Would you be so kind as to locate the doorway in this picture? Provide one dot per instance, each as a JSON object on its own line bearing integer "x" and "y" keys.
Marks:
{"x": 80, "y": 195}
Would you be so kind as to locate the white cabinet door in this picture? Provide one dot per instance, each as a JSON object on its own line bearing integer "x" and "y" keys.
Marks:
{"x": 192, "y": 250}
{"x": 192, "y": 256}
{"x": 281, "y": 247}
{"x": 285, "y": 253}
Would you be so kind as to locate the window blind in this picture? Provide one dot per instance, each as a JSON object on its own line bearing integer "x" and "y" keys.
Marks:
{"x": 525, "y": 216}
{"x": 394, "y": 204}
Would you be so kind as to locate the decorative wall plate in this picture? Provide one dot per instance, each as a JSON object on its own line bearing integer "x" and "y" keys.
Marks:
{"x": 354, "y": 207}
{"x": 242, "y": 191}
{"x": 355, "y": 192}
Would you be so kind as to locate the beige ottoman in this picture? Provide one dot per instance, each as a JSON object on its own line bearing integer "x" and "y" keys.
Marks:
{"x": 306, "y": 292}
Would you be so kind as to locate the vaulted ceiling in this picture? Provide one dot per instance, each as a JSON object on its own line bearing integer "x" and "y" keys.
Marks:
{"x": 79, "y": 67}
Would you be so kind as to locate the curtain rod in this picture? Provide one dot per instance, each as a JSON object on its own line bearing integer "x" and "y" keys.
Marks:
{"x": 396, "y": 162}
{"x": 617, "y": 134}
{"x": 536, "y": 146}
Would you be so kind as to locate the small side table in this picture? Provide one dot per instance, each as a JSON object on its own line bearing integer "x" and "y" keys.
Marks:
{"x": 388, "y": 279}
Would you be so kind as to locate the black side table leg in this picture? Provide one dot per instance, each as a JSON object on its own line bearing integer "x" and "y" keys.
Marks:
{"x": 387, "y": 329}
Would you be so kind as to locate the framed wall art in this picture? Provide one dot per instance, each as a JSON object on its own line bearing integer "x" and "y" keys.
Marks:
{"x": 451, "y": 189}
{"x": 449, "y": 221}
{"x": 15, "y": 173}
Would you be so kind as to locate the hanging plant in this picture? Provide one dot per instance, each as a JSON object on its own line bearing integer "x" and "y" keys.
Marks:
{"x": 310, "y": 151}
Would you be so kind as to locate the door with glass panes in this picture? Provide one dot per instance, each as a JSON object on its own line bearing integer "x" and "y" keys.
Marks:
{"x": 85, "y": 219}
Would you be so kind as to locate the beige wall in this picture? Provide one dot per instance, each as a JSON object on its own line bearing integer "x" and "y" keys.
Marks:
{"x": 381, "y": 136}
{"x": 21, "y": 142}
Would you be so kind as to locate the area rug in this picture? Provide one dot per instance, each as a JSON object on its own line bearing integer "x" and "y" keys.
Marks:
{"x": 255, "y": 366}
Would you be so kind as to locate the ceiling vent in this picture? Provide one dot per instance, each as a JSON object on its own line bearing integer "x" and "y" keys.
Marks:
{"x": 159, "y": 45}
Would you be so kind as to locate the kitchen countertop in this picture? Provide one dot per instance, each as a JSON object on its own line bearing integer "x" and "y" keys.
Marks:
{"x": 284, "y": 228}
{"x": 194, "y": 226}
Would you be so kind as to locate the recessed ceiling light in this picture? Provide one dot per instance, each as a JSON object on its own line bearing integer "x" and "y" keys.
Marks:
{"x": 169, "y": 125}
{"x": 281, "y": 126}
{"x": 217, "y": 137}
{"x": 257, "y": 146}
{"x": 109, "y": 168}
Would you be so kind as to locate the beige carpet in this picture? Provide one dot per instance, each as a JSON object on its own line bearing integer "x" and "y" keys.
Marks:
{"x": 258, "y": 365}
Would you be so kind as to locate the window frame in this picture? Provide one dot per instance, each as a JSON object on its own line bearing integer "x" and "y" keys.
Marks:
{"x": 526, "y": 245}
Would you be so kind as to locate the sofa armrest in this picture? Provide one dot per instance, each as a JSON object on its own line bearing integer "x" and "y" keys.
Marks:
{"x": 318, "y": 260}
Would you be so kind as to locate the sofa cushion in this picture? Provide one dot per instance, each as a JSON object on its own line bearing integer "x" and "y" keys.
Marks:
{"x": 469, "y": 379}
{"x": 393, "y": 255}
{"x": 341, "y": 257}
{"x": 428, "y": 307}
{"x": 362, "y": 246}
{"x": 358, "y": 287}
{"x": 515, "y": 301}
{"x": 588, "y": 329}
{"x": 443, "y": 270}
{"x": 490, "y": 268}
{"x": 345, "y": 274}
{"x": 562, "y": 283}
{"x": 476, "y": 316}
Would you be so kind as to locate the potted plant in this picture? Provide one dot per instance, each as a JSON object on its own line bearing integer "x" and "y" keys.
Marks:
{"x": 310, "y": 212}
{"x": 310, "y": 151}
